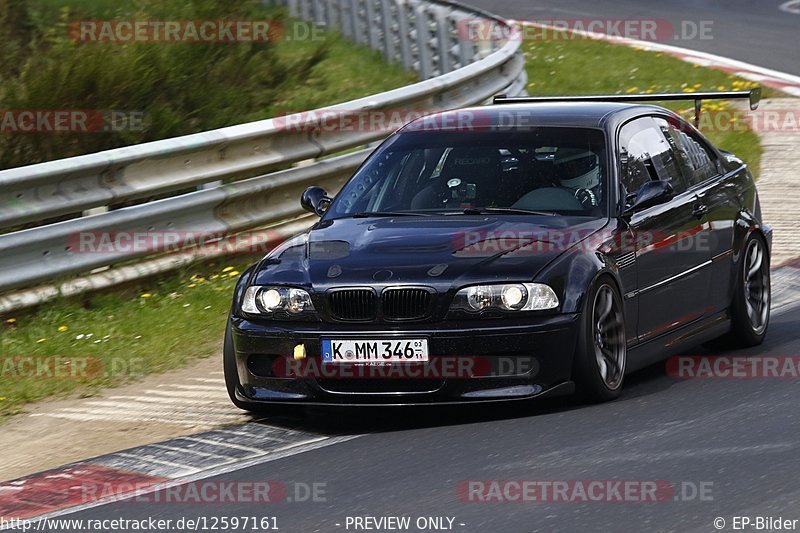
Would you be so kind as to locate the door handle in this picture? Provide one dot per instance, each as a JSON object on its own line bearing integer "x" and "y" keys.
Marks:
{"x": 699, "y": 210}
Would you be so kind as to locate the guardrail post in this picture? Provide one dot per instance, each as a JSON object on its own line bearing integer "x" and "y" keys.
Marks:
{"x": 389, "y": 14}
{"x": 443, "y": 40}
{"x": 346, "y": 20}
{"x": 307, "y": 7}
{"x": 356, "y": 32}
{"x": 334, "y": 14}
{"x": 294, "y": 8}
{"x": 402, "y": 35}
{"x": 319, "y": 12}
{"x": 423, "y": 38}
{"x": 373, "y": 25}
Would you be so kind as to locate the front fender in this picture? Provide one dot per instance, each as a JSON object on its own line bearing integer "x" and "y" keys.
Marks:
{"x": 573, "y": 273}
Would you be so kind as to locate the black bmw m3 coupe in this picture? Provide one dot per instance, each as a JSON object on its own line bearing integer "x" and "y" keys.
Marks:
{"x": 512, "y": 251}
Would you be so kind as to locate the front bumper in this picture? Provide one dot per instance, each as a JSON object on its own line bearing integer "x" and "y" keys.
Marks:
{"x": 502, "y": 361}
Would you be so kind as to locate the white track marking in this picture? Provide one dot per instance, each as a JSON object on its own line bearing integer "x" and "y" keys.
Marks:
{"x": 87, "y": 417}
{"x": 190, "y": 470}
{"x": 225, "y": 458}
{"x": 193, "y": 420}
{"x": 136, "y": 407}
{"x": 792, "y": 6}
{"x": 199, "y": 388}
{"x": 254, "y": 451}
{"x": 286, "y": 431}
{"x": 176, "y": 393}
{"x": 189, "y": 401}
{"x": 165, "y": 413}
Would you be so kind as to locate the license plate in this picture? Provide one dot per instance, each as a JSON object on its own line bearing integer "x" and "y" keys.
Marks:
{"x": 365, "y": 351}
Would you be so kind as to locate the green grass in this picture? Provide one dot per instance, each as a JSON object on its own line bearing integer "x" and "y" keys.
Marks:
{"x": 95, "y": 8}
{"x": 107, "y": 339}
{"x": 583, "y": 66}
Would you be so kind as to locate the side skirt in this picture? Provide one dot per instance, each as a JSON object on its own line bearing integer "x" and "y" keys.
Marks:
{"x": 672, "y": 343}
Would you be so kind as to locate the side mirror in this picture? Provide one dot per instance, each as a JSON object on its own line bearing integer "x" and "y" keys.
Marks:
{"x": 315, "y": 200}
{"x": 650, "y": 194}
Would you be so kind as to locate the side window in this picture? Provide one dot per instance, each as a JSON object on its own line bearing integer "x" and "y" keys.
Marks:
{"x": 650, "y": 157}
{"x": 696, "y": 162}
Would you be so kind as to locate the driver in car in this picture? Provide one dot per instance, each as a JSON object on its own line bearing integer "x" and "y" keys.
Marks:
{"x": 579, "y": 171}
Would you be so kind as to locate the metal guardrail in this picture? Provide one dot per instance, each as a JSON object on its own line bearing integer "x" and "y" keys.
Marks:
{"x": 422, "y": 35}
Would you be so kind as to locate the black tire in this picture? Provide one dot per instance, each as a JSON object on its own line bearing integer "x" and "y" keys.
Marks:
{"x": 752, "y": 296}
{"x": 232, "y": 377}
{"x": 600, "y": 357}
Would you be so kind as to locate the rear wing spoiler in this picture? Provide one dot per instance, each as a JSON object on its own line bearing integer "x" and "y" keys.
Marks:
{"x": 754, "y": 95}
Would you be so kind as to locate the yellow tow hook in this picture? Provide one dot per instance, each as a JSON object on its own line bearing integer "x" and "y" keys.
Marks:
{"x": 300, "y": 351}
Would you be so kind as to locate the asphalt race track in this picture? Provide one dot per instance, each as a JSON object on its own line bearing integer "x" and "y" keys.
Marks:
{"x": 757, "y": 32}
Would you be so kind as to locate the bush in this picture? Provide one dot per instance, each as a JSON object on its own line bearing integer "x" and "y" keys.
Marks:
{"x": 182, "y": 88}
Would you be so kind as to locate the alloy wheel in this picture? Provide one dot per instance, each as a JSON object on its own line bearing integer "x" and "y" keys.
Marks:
{"x": 609, "y": 337}
{"x": 756, "y": 285}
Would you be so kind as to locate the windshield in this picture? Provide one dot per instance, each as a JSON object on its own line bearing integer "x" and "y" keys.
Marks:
{"x": 555, "y": 171}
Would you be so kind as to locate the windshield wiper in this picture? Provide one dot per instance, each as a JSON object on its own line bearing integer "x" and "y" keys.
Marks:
{"x": 507, "y": 210}
{"x": 368, "y": 214}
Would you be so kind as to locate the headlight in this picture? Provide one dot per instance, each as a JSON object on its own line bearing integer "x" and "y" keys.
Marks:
{"x": 270, "y": 300}
{"x": 506, "y": 297}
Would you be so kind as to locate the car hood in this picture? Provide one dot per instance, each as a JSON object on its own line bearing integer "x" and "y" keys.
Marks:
{"x": 434, "y": 251}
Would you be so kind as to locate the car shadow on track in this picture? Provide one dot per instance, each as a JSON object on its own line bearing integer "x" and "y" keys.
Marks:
{"x": 648, "y": 382}
{"x": 377, "y": 419}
